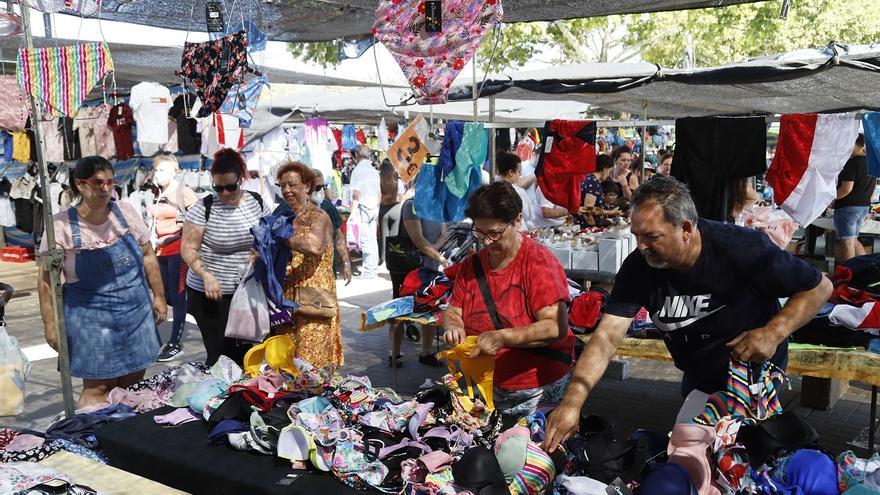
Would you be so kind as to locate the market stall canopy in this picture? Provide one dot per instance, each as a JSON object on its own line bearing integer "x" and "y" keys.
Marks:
{"x": 837, "y": 78}
{"x": 138, "y": 63}
{"x": 324, "y": 20}
{"x": 368, "y": 105}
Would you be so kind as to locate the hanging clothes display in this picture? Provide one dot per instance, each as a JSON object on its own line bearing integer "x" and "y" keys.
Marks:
{"x": 150, "y": 103}
{"x": 255, "y": 37}
{"x": 568, "y": 155}
{"x": 13, "y": 105}
{"x": 431, "y": 60}
{"x": 349, "y": 140}
{"x": 434, "y": 202}
{"x": 242, "y": 100}
{"x": 871, "y": 126}
{"x": 53, "y": 141}
{"x": 811, "y": 151}
{"x": 7, "y": 145}
{"x": 214, "y": 67}
{"x": 382, "y": 134}
{"x": 95, "y": 136}
{"x": 320, "y": 144}
{"x": 61, "y": 77}
{"x": 189, "y": 141}
{"x": 471, "y": 154}
{"x": 69, "y": 139}
{"x": 710, "y": 152}
{"x": 218, "y": 131}
{"x": 21, "y": 146}
{"x": 451, "y": 143}
{"x": 120, "y": 121}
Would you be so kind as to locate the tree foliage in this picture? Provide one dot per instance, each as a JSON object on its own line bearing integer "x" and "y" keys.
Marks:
{"x": 717, "y": 35}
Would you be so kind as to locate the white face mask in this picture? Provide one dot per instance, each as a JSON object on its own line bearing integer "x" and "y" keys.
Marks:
{"x": 162, "y": 177}
{"x": 317, "y": 196}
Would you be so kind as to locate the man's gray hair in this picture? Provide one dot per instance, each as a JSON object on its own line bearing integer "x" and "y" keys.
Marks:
{"x": 364, "y": 151}
{"x": 670, "y": 195}
{"x": 318, "y": 173}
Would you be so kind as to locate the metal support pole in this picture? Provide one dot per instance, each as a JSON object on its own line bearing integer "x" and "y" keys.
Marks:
{"x": 53, "y": 258}
{"x": 644, "y": 140}
{"x": 493, "y": 169}
{"x": 873, "y": 426}
{"x": 474, "y": 91}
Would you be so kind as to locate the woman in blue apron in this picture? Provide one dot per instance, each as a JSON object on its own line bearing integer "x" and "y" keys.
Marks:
{"x": 109, "y": 271}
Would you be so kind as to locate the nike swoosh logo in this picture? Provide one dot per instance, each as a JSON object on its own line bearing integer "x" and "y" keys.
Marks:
{"x": 669, "y": 327}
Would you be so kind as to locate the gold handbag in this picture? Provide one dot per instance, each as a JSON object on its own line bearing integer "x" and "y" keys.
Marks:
{"x": 315, "y": 303}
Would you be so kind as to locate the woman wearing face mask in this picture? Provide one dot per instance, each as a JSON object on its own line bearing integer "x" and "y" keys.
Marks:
{"x": 109, "y": 271}
{"x": 316, "y": 340}
{"x": 168, "y": 213}
{"x": 216, "y": 244}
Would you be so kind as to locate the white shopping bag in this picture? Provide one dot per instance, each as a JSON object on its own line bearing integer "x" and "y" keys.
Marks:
{"x": 14, "y": 369}
{"x": 248, "y": 311}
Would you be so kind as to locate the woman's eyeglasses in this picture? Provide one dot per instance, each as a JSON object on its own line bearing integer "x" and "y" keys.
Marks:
{"x": 99, "y": 183}
{"x": 492, "y": 235}
{"x": 230, "y": 188}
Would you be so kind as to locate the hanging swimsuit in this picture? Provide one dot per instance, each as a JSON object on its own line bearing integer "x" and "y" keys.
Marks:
{"x": 61, "y": 77}
{"x": 242, "y": 100}
{"x": 214, "y": 67}
{"x": 431, "y": 61}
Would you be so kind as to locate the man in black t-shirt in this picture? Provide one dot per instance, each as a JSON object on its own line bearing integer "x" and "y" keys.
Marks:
{"x": 854, "y": 190}
{"x": 711, "y": 288}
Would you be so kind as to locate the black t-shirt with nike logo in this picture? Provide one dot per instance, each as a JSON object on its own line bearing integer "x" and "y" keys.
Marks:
{"x": 733, "y": 287}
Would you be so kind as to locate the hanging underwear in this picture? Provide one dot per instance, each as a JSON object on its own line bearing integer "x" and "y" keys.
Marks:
{"x": 242, "y": 100}
{"x": 61, "y": 77}
{"x": 214, "y": 67}
{"x": 431, "y": 61}
{"x": 568, "y": 155}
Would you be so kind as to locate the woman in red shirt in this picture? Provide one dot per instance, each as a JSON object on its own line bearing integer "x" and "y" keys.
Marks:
{"x": 525, "y": 325}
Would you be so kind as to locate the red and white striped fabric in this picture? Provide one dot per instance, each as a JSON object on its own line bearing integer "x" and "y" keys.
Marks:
{"x": 864, "y": 317}
{"x": 811, "y": 152}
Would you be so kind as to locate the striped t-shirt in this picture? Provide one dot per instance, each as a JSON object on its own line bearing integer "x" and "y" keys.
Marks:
{"x": 227, "y": 242}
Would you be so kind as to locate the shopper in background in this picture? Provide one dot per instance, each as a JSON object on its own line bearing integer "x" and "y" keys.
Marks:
{"x": 110, "y": 270}
{"x": 592, "y": 195}
{"x": 216, "y": 245}
{"x": 316, "y": 340}
{"x": 622, "y": 157}
{"x": 854, "y": 190}
{"x": 319, "y": 197}
{"x": 168, "y": 214}
{"x": 392, "y": 192}
{"x": 509, "y": 168}
{"x": 531, "y": 341}
{"x": 665, "y": 166}
{"x": 366, "y": 197}
{"x": 411, "y": 243}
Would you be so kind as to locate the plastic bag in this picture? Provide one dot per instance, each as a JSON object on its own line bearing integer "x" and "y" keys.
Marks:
{"x": 14, "y": 369}
{"x": 248, "y": 310}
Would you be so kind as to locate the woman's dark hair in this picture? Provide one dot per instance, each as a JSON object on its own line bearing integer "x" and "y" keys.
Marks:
{"x": 615, "y": 154}
{"x": 506, "y": 162}
{"x": 860, "y": 140}
{"x": 604, "y": 162}
{"x": 86, "y": 168}
{"x": 388, "y": 182}
{"x": 497, "y": 201}
{"x": 229, "y": 161}
{"x": 305, "y": 173}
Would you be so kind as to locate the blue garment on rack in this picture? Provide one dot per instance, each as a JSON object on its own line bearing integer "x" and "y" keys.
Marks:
{"x": 871, "y": 125}
{"x": 471, "y": 154}
{"x": 255, "y": 37}
{"x": 241, "y": 101}
{"x": 349, "y": 137}
{"x": 270, "y": 241}
{"x": 7, "y": 146}
{"x": 434, "y": 202}
{"x": 451, "y": 144}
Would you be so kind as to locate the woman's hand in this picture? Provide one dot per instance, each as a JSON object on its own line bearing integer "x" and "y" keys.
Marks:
{"x": 346, "y": 272}
{"x": 160, "y": 309}
{"x": 454, "y": 335}
{"x": 212, "y": 287}
{"x": 51, "y": 332}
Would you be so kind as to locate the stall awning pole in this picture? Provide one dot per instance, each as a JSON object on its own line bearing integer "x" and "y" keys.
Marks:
{"x": 475, "y": 92}
{"x": 644, "y": 140}
{"x": 493, "y": 170}
{"x": 53, "y": 258}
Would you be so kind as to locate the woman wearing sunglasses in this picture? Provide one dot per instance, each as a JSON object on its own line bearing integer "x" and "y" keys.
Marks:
{"x": 521, "y": 316}
{"x": 113, "y": 292}
{"x": 216, "y": 244}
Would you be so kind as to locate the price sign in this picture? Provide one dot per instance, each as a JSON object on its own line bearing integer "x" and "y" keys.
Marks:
{"x": 407, "y": 154}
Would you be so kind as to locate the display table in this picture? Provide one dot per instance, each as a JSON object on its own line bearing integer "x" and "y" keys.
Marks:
{"x": 830, "y": 362}
{"x": 180, "y": 457}
{"x": 103, "y": 478}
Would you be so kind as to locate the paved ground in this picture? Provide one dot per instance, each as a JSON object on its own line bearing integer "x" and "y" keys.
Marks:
{"x": 648, "y": 399}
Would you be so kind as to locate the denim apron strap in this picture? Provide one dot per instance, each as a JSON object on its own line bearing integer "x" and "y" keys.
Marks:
{"x": 74, "y": 228}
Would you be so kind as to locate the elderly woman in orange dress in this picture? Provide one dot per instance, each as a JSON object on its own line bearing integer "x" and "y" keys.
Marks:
{"x": 317, "y": 340}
